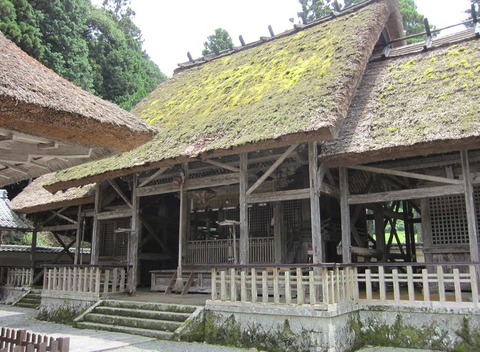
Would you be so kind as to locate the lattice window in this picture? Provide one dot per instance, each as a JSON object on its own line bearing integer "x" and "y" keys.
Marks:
{"x": 114, "y": 244}
{"x": 293, "y": 214}
{"x": 449, "y": 219}
{"x": 260, "y": 220}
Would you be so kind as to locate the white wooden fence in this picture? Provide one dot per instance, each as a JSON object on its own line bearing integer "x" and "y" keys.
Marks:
{"x": 225, "y": 251}
{"x": 99, "y": 281}
{"x": 19, "y": 277}
{"x": 425, "y": 285}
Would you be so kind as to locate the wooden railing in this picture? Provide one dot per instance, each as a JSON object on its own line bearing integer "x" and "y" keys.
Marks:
{"x": 226, "y": 251}
{"x": 419, "y": 284}
{"x": 12, "y": 340}
{"x": 16, "y": 276}
{"x": 96, "y": 280}
{"x": 284, "y": 285}
{"x": 405, "y": 284}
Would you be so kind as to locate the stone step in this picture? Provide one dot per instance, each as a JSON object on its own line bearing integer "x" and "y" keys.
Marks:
{"x": 142, "y": 313}
{"x": 163, "y": 335}
{"x": 141, "y": 323}
{"x": 28, "y": 299}
{"x": 150, "y": 306}
{"x": 27, "y": 305}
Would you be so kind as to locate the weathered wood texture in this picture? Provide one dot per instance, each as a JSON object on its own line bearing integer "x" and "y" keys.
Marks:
{"x": 12, "y": 340}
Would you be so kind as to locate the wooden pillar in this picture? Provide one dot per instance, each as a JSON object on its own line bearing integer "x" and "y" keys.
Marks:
{"x": 278, "y": 232}
{"x": 426, "y": 228}
{"x": 183, "y": 227}
{"x": 34, "y": 250}
{"x": 380, "y": 231}
{"x": 244, "y": 245}
{"x": 470, "y": 207}
{"x": 345, "y": 216}
{"x": 317, "y": 245}
{"x": 78, "y": 236}
{"x": 134, "y": 235}
{"x": 96, "y": 226}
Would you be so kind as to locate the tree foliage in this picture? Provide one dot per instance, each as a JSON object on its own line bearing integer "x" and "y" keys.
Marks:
{"x": 99, "y": 49}
{"x": 217, "y": 42}
{"x": 314, "y": 9}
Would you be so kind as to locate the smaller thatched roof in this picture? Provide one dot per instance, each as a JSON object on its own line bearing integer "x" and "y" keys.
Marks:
{"x": 8, "y": 219}
{"x": 416, "y": 104}
{"x": 36, "y": 101}
{"x": 292, "y": 88}
{"x": 34, "y": 198}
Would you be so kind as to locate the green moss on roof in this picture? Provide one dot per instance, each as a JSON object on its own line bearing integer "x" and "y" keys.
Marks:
{"x": 429, "y": 97}
{"x": 299, "y": 83}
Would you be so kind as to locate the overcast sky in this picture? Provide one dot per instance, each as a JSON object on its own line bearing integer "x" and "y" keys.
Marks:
{"x": 172, "y": 28}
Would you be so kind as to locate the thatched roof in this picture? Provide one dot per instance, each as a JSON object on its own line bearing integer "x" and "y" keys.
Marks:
{"x": 36, "y": 101}
{"x": 8, "y": 219}
{"x": 34, "y": 198}
{"x": 413, "y": 105}
{"x": 296, "y": 87}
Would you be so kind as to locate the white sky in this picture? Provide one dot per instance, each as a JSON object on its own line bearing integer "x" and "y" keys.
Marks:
{"x": 172, "y": 28}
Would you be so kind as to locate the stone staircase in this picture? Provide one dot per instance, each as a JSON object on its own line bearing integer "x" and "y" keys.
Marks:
{"x": 156, "y": 320}
{"x": 32, "y": 300}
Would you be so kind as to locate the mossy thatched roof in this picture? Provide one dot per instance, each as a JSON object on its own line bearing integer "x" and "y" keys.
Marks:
{"x": 34, "y": 198}
{"x": 36, "y": 101}
{"x": 413, "y": 105}
{"x": 293, "y": 88}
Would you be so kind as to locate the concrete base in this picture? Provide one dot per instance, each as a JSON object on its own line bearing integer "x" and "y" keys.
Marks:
{"x": 64, "y": 308}
{"x": 10, "y": 295}
{"x": 348, "y": 328}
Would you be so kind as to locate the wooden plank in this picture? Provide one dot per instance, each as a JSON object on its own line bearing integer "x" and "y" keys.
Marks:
{"x": 58, "y": 228}
{"x": 253, "y": 275}
{"x": 183, "y": 225}
{"x": 243, "y": 286}
{"x": 134, "y": 236}
{"x": 456, "y": 285}
{"x": 244, "y": 246}
{"x": 233, "y": 285}
{"x": 214, "y": 284}
{"x": 222, "y": 165}
{"x": 197, "y": 183}
{"x": 277, "y": 232}
{"x": 406, "y": 174}
{"x": 470, "y": 208}
{"x": 278, "y": 196}
{"x": 152, "y": 177}
{"x": 272, "y": 168}
{"x": 405, "y": 194}
{"x": 345, "y": 216}
{"x": 426, "y": 286}
{"x": 223, "y": 285}
{"x": 396, "y": 285}
{"x": 316, "y": 225}
{"x": 276, "y": 286}
{"x": 288, "y": 288}
{"x": 264, "y": 286}
{"x": 300, "y": 291}
{"x": 381, "y": 282}
{"x": 114, "y": 214}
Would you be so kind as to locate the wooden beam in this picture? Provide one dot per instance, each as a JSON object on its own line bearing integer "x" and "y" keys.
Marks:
{"x": 115, "y": 214}
{"x": 345, "y": 217}
{"x": 197, "y": 183}
{"x": 78, "y": 235}
{"x": 95, "y": 250}
{"x": 244, "y": 247}
{"x": 134, "y": 236}
{"x": 272, "y": 168}
{"x": 470, "y": 207}
{"x": 222, "y": 165}
{"x": 316, "y": 225}
{"x": 59, "y": 228}
{"x": 55, "y": 214}
{"x": 278, "y": 196}
{"x": 182, "y": 227}
{"x": 405, "y": 194}
{"x": 15, "y": 168}
{"x": 152, "y": 177}
{"x": 277, "y": 232}
{"x": 329, "y": 190}
{"x": 119, "y": 191}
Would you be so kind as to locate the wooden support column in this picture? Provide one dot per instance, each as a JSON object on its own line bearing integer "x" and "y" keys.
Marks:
{"x": 244, "y": 245}
{"x": 345, "y": 216}
{"x": 183, "y": 226}
{"x": 470, "y": 207}
{"x": 96, "y": 226}
{"x": 78, "y": 237}
{"x": 278, "y": 232}
{"x": 380, "y": 231}
{"x": 317, "y": 245}
{"x": 426, "y": 228}
{"x": 34, "y": 250}
{"x": 134, "y": 235}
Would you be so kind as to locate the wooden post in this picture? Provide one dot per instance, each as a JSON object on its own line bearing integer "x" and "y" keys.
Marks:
{"x": 32, "y": 253}
{"x": 182, "y": 230}
{"x": 426, "y": 228}
{"x": 317, "y": 245}
{"x": 96, "y": 226}
{"x": 345, "y": 217}
{"x": 278, "y": 231}
{"x": 380, "y": 231}
{"x": 78, "y": 236}
{"x": 134, "y": 235}
{"x": 244, "y": 246}
{"x": 470, "y": 207}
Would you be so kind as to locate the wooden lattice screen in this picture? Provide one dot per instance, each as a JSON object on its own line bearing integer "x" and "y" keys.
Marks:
{"x": 114, "y": 244}
{"x": 449, "y": 219}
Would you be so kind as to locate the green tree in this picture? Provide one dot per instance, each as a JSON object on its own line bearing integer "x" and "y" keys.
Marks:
{"x": 217, "y": 42}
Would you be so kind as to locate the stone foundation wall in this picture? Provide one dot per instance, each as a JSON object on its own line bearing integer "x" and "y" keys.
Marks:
{"x": 63, "y": 308}
{"x": 9, "y": 295}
